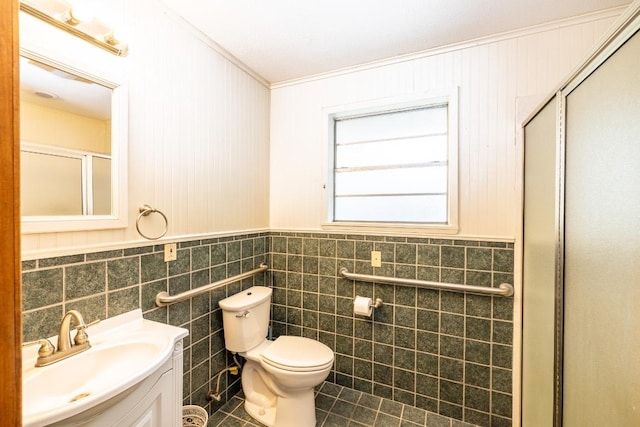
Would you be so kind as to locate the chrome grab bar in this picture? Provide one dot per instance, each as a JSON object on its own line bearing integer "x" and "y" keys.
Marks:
{"x": 163, "y": 298}
{"x": 504, "y": 290}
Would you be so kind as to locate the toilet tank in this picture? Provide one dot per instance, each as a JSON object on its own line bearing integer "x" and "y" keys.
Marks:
{"x": 245, "y": 318}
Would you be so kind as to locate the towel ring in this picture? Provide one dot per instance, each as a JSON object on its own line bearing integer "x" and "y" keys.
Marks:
{"x": 146, "y": 210}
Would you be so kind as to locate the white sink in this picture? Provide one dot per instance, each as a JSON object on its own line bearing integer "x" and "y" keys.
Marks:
{"x": 124, "y": 351}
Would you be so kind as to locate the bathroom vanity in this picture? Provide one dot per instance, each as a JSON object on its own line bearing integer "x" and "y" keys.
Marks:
{"x": 131, "y": 376}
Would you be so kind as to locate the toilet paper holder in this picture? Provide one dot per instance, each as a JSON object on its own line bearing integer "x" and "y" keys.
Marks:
{"x": 377, "y": 303}
{"x": 363, "y": 306}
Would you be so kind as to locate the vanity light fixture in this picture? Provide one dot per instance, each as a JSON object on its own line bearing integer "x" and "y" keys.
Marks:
{"x": 60, "y": 14}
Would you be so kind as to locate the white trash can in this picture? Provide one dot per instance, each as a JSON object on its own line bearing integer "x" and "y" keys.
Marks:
{"x": 194, "y": 416}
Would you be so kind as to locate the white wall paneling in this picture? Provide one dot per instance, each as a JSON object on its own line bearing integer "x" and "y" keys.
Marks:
{"x": 198, "y": 137}
{"x": 217, "y": 151}
{"x": 491, "y": 74}
{"x": 204, "y": 124}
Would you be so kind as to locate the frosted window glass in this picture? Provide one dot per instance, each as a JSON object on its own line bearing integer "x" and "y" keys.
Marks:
{"x": 392, "y": 166}
{"x": 392, "y": 208}
{"x": 392, "y": 181}
{"x": 423, "y": 121}
{"x": 403, "y": 151}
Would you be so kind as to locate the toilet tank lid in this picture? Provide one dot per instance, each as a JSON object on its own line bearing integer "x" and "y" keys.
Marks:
{"x": 246, "y": 299}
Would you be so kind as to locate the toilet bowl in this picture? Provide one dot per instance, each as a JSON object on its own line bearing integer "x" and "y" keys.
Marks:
{"x": 279, "y": 376}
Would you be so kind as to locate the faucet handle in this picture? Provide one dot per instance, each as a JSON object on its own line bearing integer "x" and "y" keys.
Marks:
{"x": 46, "y": 348}
{"x": 81, "y": 336}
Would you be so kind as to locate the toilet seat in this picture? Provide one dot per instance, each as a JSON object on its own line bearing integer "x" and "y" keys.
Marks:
{"x": 297, "y": 354}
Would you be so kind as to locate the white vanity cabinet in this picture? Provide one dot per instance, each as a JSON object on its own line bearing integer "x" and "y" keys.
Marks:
{"x": 131, "y": 376}
{"x": 155, "y": 407}
{"x": 155, "y": 402}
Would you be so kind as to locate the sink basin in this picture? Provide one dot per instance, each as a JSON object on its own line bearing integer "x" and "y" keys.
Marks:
{"x": 124, "y": 351}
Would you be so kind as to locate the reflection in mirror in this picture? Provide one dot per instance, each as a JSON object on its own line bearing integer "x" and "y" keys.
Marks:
{"x": 73, "y": 131}
{"x": 65, "y": 127}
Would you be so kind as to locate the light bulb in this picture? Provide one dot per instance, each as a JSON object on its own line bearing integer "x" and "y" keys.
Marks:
{"x": 120, "y": 34}
{"x": 82, "y": 11}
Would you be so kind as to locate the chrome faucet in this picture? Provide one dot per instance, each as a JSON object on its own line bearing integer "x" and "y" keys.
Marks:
{"x": 48, "y": 355}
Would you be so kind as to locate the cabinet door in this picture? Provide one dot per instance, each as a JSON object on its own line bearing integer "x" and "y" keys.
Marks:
{"x": 149, "y": 419}
{"x": 156, "y": 407}
{"x": 601, "y": 373}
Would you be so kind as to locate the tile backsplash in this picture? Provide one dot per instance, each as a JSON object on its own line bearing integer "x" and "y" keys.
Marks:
{"x": 105, "y": 284}
{"x": 446, "y": 352}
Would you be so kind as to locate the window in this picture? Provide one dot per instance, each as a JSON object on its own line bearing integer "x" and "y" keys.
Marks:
{"x": 395, "y": 165}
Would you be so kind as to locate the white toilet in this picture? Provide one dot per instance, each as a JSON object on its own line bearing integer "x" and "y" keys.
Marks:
{"x": 279, "y": 376}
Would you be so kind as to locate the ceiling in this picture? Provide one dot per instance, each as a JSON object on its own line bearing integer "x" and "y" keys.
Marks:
{"x": 288, "y": 39}
{"x": 50, "y": 87}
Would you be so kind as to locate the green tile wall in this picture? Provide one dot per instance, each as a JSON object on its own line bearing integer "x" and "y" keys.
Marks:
{"x": 449, "y": 353}
{"x": 446, "y": 352}
{"x": 106, "y": 284}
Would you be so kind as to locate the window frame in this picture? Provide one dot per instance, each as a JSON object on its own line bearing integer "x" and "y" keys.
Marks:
{"x": 381, "y": 106}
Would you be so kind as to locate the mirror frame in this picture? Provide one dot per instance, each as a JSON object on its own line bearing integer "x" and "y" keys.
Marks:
{"x": 119, "y": 168}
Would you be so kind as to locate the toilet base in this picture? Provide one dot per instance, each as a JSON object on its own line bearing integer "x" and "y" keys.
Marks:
{"x": 266, "y": 416}
{"x": 298, "y": 411}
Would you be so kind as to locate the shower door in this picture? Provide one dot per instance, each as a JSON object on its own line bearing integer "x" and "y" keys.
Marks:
{"x": 541, "y": 163}
{"x": 581, "y": 245}
{"x": 601, "y": 328}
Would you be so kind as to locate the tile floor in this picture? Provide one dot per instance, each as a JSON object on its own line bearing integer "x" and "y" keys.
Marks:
{"x": 338, "y": 406}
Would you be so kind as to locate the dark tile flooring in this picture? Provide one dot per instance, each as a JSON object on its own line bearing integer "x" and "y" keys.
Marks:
{"x": 338, "y": 406}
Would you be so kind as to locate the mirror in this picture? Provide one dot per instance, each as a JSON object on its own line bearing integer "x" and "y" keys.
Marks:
{"x": 73, "y": 134}
{"x": 65, "y": 130}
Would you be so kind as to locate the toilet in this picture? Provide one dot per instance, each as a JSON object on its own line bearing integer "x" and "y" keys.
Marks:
{"x": 279, "y": 376}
